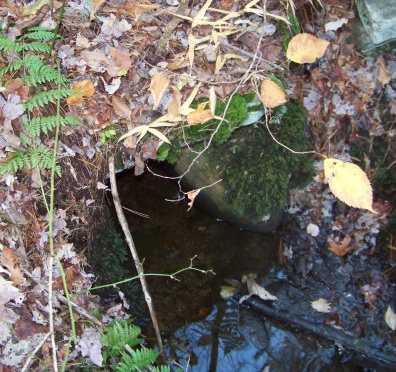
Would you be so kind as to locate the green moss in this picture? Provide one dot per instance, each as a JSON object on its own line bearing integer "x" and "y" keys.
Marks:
{"x": 262, "y": 171}
{"x": 237, "y": 113}
{"x": 286, "y": 31}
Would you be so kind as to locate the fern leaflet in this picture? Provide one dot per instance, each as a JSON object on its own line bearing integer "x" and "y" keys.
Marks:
{"x": 35, "y": 46}
{"x": 39, "y": 157}
{"x": 39, "y": 33}
{"x": 7, "y": 44}
{"x": 45, "y": 124}
{"x": 137, "y": 361}
{"x": 42, "y": 99}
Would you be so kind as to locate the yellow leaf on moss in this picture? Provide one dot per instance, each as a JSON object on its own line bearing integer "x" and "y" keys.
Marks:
{"x": 306, "y": 48}
{"x": 272, "y": 94}
{"x": 349, "y": 183}
{"x": 200, "y": 115}
{"x": 86, "y": 87}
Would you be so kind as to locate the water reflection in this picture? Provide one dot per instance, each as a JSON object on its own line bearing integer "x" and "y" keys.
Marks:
{"x": 221, "y": 343}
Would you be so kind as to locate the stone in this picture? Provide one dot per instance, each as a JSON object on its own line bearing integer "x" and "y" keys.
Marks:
{"x": 379, "y": 19}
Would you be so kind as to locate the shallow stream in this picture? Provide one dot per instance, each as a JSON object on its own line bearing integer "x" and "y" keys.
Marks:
{"x": 200, "y": 329}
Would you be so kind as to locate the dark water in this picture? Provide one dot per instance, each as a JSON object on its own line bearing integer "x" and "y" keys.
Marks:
{"x": 201, "y": 330}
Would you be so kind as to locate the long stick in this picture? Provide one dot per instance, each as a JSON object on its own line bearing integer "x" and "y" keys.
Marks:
{"x": 138, "y": 265}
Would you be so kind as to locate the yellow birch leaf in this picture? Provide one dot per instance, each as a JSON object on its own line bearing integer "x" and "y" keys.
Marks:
{"x": 349, "y": 183}
{"x": 306, "y": 48}
{"x": 272, "y": 94}
{"x": 159, "y": 84}
{"x": 200, "y": 115}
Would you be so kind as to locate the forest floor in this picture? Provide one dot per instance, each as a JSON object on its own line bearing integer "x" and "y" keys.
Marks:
{"x": 140, "y": 57}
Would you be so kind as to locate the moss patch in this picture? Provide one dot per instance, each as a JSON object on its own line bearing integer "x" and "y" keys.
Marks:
{"x": 261, "y": 172}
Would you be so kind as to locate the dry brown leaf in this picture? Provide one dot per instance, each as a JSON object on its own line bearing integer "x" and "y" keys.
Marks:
{"x": 383, "y": 75}
{"x": 120, "y": 107}
{"x": 9, "y": 260}
{"x": 349, "y": 183}
{"x": 159, "y": 85}
{"x": 136, "y": 9}
{"x": 321, "y": 305}
{"x": 306, "y": 48}
{"x": 340, "y": 248}
{"x": 200, "y": 115}
{"x": 272, "y": 94}
{"x": 174, "y": 107}
{"x": 19, "y": 87}
{"x": 258, "y": 290}
{"x": 121, "y": 59}
{"x": 86, "y": 87}
{"x": 191, "y": 195}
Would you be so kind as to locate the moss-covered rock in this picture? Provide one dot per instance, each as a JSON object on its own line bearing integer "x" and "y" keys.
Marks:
{"x": 256, "y": 172}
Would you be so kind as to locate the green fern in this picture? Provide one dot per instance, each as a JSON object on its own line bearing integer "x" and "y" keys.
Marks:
{"x": 39, "y": 157}
{"x": 44, "y": 125}
{"x": 42, "y": 99}
{"x": 39, "y": 33}
{"x": 137, "y": 360}
{"x": 117, "y": 335}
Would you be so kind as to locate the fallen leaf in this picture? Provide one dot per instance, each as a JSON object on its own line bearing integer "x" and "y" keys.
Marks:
{"x": 384, "y": 76}
{"x": 258, "y": 290}
{"x": 272, "y": 94}
{"x": 120, "y": 107}
{"x": 227, "y": 291}
{"x": 306, "y": 48}
{"x": 349, "y": 183}
{"x": 191, "y": 195}
{"x": 340, "y": 248}
{"x": 313, "y": 229}
{"x": 19, "y": 87}
{"x": 9, "y": 260}
{"x": 200, "y": 115}
{"x": 159, "y": 84}
{"x": 321, "y": 305}
{"x": 390, "y": 318}
{"x": 174, "y": 106}
{"x": 87, "y": 90}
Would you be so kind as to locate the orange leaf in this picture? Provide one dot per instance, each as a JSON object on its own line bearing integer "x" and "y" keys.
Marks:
{"x": 191, "y": 195}
{"x": 159, "y": 84}
{"x": 272, "y": 94}
{"x": 340, "y": 248}
{"x": 120, "y": 107}
{"x": 200, "y": 115}
{"x": 306, "y": 48}
{"x": 174, "y": 107}
{"x": 86, "y": 87}
{"x": 9, "y": 260}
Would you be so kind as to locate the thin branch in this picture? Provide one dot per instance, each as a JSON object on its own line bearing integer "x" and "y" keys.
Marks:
{"x": 138, "y": 265}
{"x": 34, "y": 352}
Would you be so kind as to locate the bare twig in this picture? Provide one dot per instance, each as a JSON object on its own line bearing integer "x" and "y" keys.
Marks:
{"x": 33, "y": 353}
{"x": 135, "y": 256}
{"x": 167, "y": 33}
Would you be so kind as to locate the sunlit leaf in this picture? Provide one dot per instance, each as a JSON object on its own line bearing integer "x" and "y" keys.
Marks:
{"x": 349, "y": 183}
{"x": 272, "y": 94}
{"x": 321, "y": 305}
{"x": 306, "y": 48}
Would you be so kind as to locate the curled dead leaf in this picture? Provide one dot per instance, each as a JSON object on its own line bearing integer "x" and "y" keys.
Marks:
{"x": 159, "y": 85}
{"x": 200, "y": 115}
{"x": 340, "y": 248}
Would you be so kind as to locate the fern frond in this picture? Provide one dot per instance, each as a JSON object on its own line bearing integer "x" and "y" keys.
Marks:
{"x": 42, "y": 99}
{"x": 117, "y": 335}
{"x": 35, "y": 46}
{"x": 7, "y": 44}
{"x": 39, "y": 33}
{"x": 46, "y": 124}
{"x": 137, "y": 360}
{"x": 39, "y": 72}
{"x": 39, "y": 157}
{"x": 162, "y": 369}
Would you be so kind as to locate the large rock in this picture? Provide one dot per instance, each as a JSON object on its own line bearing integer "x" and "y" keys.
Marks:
{"x": 207, "y": 170}
{"x": 379, "y": 19}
